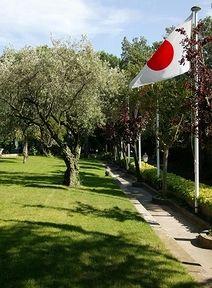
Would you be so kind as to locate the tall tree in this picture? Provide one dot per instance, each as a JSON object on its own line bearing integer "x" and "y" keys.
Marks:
{"x": 111, "y": 59}
{"x": 134, "y": 56}
{"x": 59, "y": 90}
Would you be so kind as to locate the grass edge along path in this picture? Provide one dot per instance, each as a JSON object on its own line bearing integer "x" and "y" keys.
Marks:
{"x": 90, "y": 236}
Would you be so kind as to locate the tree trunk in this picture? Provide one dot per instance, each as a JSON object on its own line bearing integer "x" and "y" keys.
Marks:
{"x": 125, "y": 156}
{"x": 25, "y": 150}
{"x": 115, "y": 153}
{"x": 137, "y": 168}
{"x": 71, "y": 176}
{"x": 121, "y": 150}
{"x": 165, "y": 166}
{"x": 77, "y": 154}
{"x": 86, "y": 148}
{"x": 44, "y": 151}
{"x": 118, "y": 152}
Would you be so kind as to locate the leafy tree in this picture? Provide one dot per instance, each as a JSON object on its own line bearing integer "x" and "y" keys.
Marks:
{"x": 175, "y": 98}
{"x": 206, "y": 31}
{"x": 59, "y": 90}
{"x": 199, "y": 80}
{"x": 7, "y": 127}
{"x": 134, "y": 55}
{"x": 111, "y": 59}
{"x": 12, "y": 129}
{"x": 174, "y": 116}
{"x": 130, "y": 119}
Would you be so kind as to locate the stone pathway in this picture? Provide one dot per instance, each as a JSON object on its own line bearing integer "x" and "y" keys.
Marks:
{"x": 177, "y": 233}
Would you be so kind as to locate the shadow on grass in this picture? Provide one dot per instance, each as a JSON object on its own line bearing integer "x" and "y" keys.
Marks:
{"x": 32, "y": 179}
{"x": 84, "y": 209}
{"x": 93, "y": 167}
{"x": 101, "y": 185}
{"x": 91, "y": 164}
{"x": 44, "y": 186}
{"x": 91, "y": 181}
{"x": 113, "y": 213}
{"x": 6, "y": 160}
{"x": 70, "y": 256}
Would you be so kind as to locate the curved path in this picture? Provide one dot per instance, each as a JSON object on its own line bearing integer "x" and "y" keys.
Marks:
{"x": 177, "y": 232}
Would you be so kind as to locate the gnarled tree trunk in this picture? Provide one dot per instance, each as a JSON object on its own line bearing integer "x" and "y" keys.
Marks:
{"x": 71, "y": 176}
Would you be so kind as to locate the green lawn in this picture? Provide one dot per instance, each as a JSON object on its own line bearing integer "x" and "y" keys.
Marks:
{"x": 52, "y": 236}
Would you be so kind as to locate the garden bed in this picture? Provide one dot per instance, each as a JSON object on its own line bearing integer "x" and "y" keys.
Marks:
{"x": 182, "y": 189}
{"x": 179, "y": 188}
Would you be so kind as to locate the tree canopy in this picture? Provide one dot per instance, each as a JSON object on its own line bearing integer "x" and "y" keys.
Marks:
{"x": 60, "y": 91}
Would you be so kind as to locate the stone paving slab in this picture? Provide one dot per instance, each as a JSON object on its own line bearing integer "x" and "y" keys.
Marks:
{"x": 177, "y": 233}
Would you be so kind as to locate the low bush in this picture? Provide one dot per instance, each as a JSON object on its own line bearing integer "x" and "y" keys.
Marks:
{"x": 177, "y": 186}
{"x": 181, "y": 188}
{"x": 149, "y": 175}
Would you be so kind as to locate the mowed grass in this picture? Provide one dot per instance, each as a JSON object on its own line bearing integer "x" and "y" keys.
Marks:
{"x": 54, "y": 236}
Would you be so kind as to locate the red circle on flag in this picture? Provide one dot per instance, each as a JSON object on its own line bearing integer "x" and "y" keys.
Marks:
{"x": 162, "y": 57}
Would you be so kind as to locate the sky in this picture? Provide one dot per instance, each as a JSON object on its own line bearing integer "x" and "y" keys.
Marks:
{"x": 105, "y": 22}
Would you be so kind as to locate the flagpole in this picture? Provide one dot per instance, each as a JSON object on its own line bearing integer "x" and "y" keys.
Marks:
{"x": 157, "y": 136}
{"x": 194, "y": 10}
{"x": 139, "y": 151}
{"x": 157, "y": 140}
{"x": 128, "y": 145}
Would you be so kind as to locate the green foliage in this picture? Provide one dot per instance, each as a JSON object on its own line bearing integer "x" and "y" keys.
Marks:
{"x": 62, "y": 91}
{"x": 207, "y": 31}
{"x": 172, "y": 110}
{"x": 179, "y": 187}
{"x": 131, "y": 168}
{"x": 111, "y": 59}
{"x": 134, "y": 54}
{"x": 149, "y": 174}
{"x": 33, "y": 151}
{"x": 205, "y": 198}
{"x": 57, "y": 88}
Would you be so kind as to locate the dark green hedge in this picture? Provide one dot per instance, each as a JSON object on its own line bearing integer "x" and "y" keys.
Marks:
{"x": 179, "y": 187}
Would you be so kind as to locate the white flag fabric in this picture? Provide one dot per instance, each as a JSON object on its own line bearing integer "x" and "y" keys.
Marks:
{"x": 165, "y": 62}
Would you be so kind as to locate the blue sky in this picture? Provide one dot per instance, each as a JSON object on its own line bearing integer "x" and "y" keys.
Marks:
{"x": 105, "y": 22}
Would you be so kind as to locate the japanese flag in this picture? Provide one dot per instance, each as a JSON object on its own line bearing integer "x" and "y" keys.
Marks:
{"x": 165, "y": 62}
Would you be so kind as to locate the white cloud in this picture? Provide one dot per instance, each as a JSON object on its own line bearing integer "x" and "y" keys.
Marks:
{"x": 25, "y": 22}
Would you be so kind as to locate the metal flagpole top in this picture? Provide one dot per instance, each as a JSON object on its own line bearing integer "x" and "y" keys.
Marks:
{"x": 195, "y": 9}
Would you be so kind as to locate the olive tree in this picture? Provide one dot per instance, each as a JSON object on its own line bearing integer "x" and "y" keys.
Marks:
{"x": 59, "y": 90}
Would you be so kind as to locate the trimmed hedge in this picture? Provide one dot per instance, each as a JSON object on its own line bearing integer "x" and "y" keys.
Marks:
{"x": 179, "y": 187}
